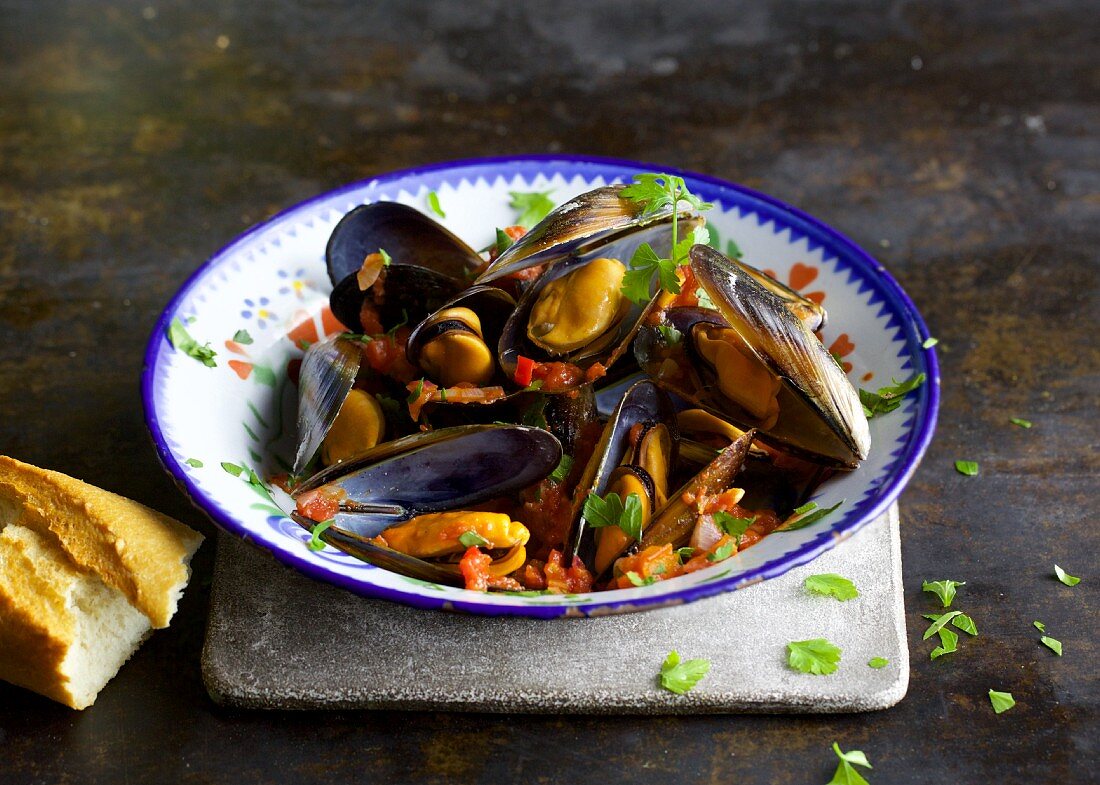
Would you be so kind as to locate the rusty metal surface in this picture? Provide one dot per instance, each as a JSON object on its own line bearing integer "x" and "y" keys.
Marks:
{"x": 957, "y": 141}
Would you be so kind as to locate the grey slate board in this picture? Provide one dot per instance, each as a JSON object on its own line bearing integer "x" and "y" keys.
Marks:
{"x": 277, "y": 639}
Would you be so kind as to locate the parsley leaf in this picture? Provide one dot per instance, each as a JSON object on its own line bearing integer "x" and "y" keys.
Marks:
{"x": 831, "y": 584}
{"x": 194, "y": 463}
{"x": 801, "y": 521}
{"x": 182, "y": 340}
{"x": 929, "y": 342}
{"x": 845, "y": 773}
{"x": 503, "y": 241}
{"x": 1020, "y": 421}
{"x": 565, "y": 465}
{"x": 888, "y": 398}
{"x": 680, "y": 677}
{"x": 816, "y": 656}
{"x": 414, "y": 396}
{"x": 685, "y": 553}
{"x": 878, "y": 662}
{"x": 945, "y": 590}
{"x": 949, "y": 643}
{"x": 733, "y": 526}
{"x": 471, "y": 538}
{"x": 965, "y": 623}
{"x": 433, "y": 204}
{"x": 611, "y": 510}
{"x": 1065, "y": 577}
{"x": 233, "y": 468}
{"x": 939, "y": 623}
{"x": 721, "y": 553}
{"x": 242, "y": 337}
{"x": 638, "y": 580}
{"x": 669, "y": 334}
{"x": 1002, "y": 701}
{"x": 315, "y": 542}
{"x": 1040, "y": 626}
{"x": 1052, "y": 644}
{"x": 387, "y": 260}
{"x": 643, "y": 264}
{"x": 533, "y": 206}
{"x": 969, "y": 468}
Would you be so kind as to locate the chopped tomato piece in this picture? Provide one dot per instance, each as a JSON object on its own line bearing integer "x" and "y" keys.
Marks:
{"x": 525, "y": 369}
{"x": 475, "y": 569}
{"x": 566, "y": 580}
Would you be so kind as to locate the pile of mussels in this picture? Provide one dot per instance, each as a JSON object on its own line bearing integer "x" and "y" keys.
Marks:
{"x": 463, "y": 401}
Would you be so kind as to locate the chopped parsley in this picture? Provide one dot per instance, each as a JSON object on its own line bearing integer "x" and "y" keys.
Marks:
{"x": 532, "y": 206}
{"x": 831, "y": 585}
{"x": 845, "y": 773}
{"x": 945, "y": 590}
{"x": 878, "y": 662}
{"x": 669, "y": 334}
{"x": 810, "y": 515}
{"x": 721, "y": 553}
{"x": 638, "y": 580}
{"x": 965, "y": 623}
{"x": 1040, "y": 626}
{"x": 182, "y": 340}
{"x": 387, "y": 260}
{"x": 1065, "y": 577}
{"x": 611, "y": 510}
{"x": 939, "y": 623}
{"x": 685, "y": 553}
{"x": 929, "y": 342}
{"x": 816, "y": 656}
{"x": 1002, "y": 701}
{"x": 242, "y": 337}
{"x": 680, "y": 676}
{"x": 565, "y": 465}
{"x": 1052, "y": 644}
{"x": 888, "y": 398}
{"x": 233, "y": 468}
{"x": 503, "y": 241}
{"x": 1020, "y": 421}
{"x": 433, "y": 204}
{"x": 471, "y": 539}
{"x": 732, "y": 525}
{"x": 194, "y": 463}
{"x": 949, "y": 643}
{"x": 415, "y": 394}
{"x": 969, "y": 468}
{"x": 315, "y": 542}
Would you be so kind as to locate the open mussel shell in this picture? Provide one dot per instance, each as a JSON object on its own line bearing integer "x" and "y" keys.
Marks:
{"x": 406, "y": 234}
{"x": 675, "y": 521}
{"x": 327, "y": 375}
{"x": 645, "y": 416}
{"x": 810, "y": 313}
{"x": 402, "y": 294}
{"x": 592, "y": 219}
{"x": 457, "y": 342}
{"x": 819, "y": 410}
{"x": 434, "y": 471}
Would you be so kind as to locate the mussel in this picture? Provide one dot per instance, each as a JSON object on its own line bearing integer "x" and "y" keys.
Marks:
{"x": 757, "y": 365}
{"x": 406, "y": 503}
{"x": 327, "y": 375}
{"x": 635, "y": 455}
{"x": 427, "y": 265}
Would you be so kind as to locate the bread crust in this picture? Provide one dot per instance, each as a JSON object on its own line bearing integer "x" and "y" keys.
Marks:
{"x": 139, "y": 551}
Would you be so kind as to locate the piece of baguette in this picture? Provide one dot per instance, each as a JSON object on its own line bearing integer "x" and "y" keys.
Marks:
{"x": 84, "y": 576}
{"x": 138, "y": 551}
{"x": 63, "y": 633}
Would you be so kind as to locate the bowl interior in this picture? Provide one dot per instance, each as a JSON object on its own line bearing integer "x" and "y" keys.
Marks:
{"x": 223, "y": 430}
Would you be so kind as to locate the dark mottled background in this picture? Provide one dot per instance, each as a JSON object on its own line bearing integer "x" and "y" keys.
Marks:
{"x": 958, "y": 141}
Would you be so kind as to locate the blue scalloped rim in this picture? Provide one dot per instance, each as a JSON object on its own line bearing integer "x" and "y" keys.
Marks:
{"x": 838, "y": 249}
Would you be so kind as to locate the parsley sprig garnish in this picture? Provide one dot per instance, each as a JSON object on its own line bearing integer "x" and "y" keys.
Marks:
{"x": 656, "y": 192}
{"x": 612, "y": 510}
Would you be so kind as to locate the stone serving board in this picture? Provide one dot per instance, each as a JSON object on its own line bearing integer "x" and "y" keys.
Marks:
{"x": 279, "y": 640}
